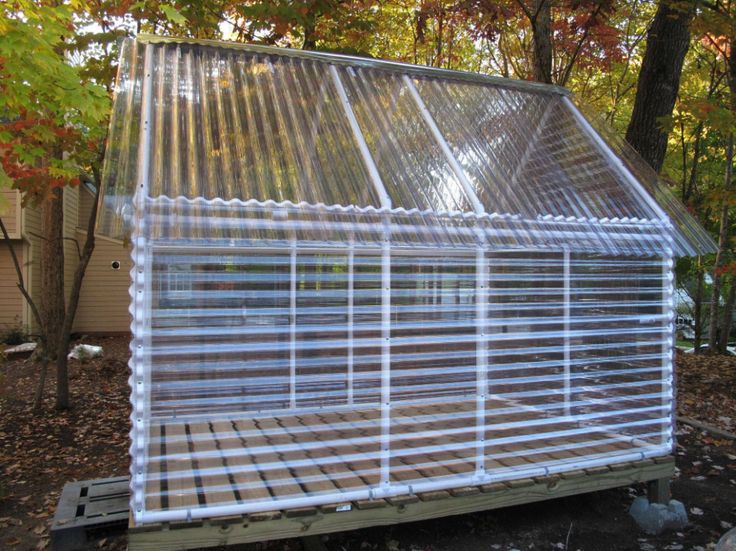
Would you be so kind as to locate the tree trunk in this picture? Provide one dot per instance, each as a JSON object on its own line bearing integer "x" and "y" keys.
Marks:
{"x": 668, "y": 40}
{"x": 38, "y": 400}
{"x": 727, "y": 317}
{"x": 722, "y": 243}
{"x": 310, "y": 38}
{"x": 53, "y": 309}
{"x": 75, "y": 291}
{"x": 542, "y": 38}
{"x": 688, "y": 191}
{"x": 698, "y": 314}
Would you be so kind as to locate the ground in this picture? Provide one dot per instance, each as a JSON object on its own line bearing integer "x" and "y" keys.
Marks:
{"x": 40, "y": 452}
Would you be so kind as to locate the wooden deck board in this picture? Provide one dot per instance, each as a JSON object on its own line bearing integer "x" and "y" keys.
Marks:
{"x": 182, "y": 486}
{"x": 247, "y": 480}
{"x": 158, "y": 485}
{"x": 216, "y": 483}
{"x": 280, "y": 480}
{"x": 333, "y": 451}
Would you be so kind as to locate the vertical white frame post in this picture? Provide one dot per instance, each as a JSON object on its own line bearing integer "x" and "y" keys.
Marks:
{"x": 481, "y": 372}
{"x": 292, "y": 324}
{"x": 566, "y": 327}
{"x": 668, "y": 335}
{"x": 385, "y": 199}
{"x": 386, "y": 361}
{"x": 351, "y": 320}
{"x": 481, "y": 281}
{"x": 141, "y": 287}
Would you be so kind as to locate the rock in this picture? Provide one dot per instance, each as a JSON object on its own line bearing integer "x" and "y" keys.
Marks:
{"x": 84, "y": 352}
{"x": 655, "y": 518}
{"x": 728, "y": 541}
{"x": 21, "y": 351}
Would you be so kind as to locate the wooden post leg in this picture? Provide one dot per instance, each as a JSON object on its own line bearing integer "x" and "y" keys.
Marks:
{"x": 659, "y": 491}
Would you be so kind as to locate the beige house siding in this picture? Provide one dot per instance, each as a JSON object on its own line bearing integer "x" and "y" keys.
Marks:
{"x": 71, "y": 220}
{"x": 32, "y": 228}
{"x": 11, "y": 301}
{"x": 31, "y": 224}
{"x": 104, "y": 300}
{"x": 10, "y": 212}
{"x": 86, "y": 200}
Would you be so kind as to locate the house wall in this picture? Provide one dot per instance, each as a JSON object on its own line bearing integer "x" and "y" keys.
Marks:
{"x": 11, "y": 212}
{"x": 31, "y": 229}
{"x": 104, "y": 300}
{"x": 86, "y": 201}
{"x": 11, "y": 301}
{"x": 71, "y": 220}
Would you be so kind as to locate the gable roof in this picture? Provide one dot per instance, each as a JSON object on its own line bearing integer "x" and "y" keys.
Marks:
{"x": 235, "y": 129}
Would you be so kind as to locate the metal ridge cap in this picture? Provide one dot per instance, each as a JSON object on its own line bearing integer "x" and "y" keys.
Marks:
{"x": 365, "y": 62}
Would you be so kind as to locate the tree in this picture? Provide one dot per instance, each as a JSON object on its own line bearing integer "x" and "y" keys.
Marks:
{"x": 53, "y": 125}
{"x": 668, "y": 41}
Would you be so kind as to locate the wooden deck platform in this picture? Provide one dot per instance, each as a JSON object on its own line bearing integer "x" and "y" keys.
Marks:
{"x": 264, "y": 460}
{"x": 381, "y": 512}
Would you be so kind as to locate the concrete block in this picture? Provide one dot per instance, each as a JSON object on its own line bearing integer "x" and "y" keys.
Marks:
{"x": 655, "y": 518}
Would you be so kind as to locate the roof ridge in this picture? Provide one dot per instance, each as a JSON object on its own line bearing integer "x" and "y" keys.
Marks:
{"x": 363, "y": 62}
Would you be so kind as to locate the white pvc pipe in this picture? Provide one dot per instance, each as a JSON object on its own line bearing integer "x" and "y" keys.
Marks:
{"x": 566, "y": 328}
{"x": 481, "y": 377}
{"x": 351, "y": 319}
{"x": 456, "y": 168}
{"x": 386, "y": 363}
{"x": 141, "y": 294}
{"x": 292, "y": 326}
{"x": 392, "y": 490}
{"x": 360, "y": 140}
{"x": 615, "y": 160}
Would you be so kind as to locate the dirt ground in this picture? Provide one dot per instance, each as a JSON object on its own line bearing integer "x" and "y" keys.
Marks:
{"x": 39, "y": 453}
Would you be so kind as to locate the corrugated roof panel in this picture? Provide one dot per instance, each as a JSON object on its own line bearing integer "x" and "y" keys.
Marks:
{"x": 251, "y": 126}
{"x": 411, "y": 164}
{"x": 526, "y": 154}
{"x": 691, "y": 239}
{"x": 269, "y": 127}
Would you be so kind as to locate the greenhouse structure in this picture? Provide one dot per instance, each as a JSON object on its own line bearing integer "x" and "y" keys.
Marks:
{"x": 358, "y": 281}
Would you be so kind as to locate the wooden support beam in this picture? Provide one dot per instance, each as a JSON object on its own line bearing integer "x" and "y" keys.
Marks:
{"x": 214, "y": 532}
{"x": 658, "y": 491}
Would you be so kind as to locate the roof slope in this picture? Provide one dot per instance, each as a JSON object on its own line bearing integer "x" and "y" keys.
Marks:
{"x": 205, "y": 122}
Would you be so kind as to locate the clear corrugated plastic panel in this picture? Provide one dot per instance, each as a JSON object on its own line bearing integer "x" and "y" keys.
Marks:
{"x": 526, "y": 153}
{"x": 269, "y": 129}
{"x": 285, "y": 377}
{"x": 230, "y": 125}
{"x": 121, "y": 153}
{"x": 412, "y": 166}
{"x": 691, "y": 239}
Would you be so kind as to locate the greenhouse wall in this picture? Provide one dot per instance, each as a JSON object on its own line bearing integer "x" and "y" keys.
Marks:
{"x": 374, "y": 372}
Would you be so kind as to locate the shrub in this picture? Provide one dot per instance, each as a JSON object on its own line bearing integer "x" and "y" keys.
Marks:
{"x": 14, "y": 334}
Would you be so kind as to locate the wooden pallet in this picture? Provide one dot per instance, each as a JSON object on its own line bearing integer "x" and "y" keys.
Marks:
{"x": 381, "y": 512}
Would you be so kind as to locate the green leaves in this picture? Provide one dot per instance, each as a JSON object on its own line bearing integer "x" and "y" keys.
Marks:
{"x": 172, "y": 14}
{"x": 53, "y": 117}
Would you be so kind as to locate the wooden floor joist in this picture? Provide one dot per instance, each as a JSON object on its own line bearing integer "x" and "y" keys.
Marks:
{"x": 322, "y": 520}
